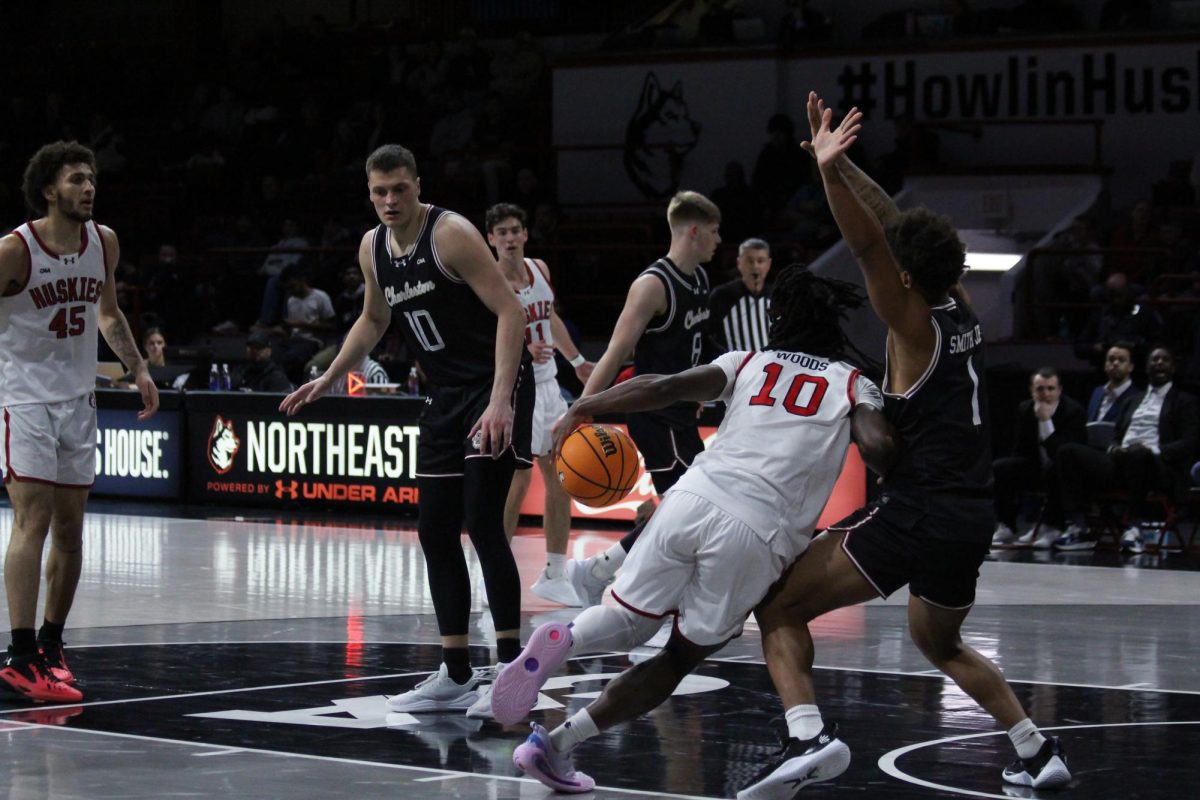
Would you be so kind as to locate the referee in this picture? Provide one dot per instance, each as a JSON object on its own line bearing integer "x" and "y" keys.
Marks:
{"x": 739, "y": 307}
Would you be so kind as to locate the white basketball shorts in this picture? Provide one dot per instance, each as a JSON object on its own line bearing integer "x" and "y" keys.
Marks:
{"x": 50, "y": 442}
{"x": 707, "y": 567}
{"x": 546, "y": 411}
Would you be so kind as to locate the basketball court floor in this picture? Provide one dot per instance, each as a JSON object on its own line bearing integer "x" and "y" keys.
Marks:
{"x": 250, "y": 658}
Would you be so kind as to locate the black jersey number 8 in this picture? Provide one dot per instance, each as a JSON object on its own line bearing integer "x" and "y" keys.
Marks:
{"x": 697, "y": 347}
{"x": 424, "y": 329}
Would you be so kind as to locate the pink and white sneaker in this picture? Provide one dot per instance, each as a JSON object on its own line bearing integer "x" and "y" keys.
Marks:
{"x": 516, "y": 689}
{"x": 537, "y": 758}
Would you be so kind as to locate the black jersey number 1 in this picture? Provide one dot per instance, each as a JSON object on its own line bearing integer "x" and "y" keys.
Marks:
{"x": 423, "y": 328}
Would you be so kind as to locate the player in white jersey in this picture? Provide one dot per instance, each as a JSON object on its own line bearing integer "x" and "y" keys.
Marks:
{"x": 56, "y": 274}
{"x": 530, "y": 278}
{"x": 726, "y": 531}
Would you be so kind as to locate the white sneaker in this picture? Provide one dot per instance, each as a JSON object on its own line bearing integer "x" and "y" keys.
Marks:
{"x": 438, "y": 692}
{"x": 556, "y": 590}
{"x": 1132, "y": 540}
{"x": 1074, "y": 538}
{"x": 1004, "y": 536}
{"x": 1039, "y": 538}
{"x": 588, "y": 588}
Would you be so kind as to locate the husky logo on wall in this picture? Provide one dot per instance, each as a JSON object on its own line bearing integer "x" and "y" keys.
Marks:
{"x": 223, "y": 445}
{"x": 659, "y": 136}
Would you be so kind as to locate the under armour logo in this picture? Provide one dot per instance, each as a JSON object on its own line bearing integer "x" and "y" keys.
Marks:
{"x": 291, "y": 489}
{"x": 400, "y": 262}
{"x": 823, "y": 739}
{"x": 68, "y": 260}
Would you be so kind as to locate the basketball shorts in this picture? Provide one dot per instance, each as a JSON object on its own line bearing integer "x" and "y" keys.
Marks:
{"x": 704, "y": 566}
{"x": 662, "y": 446}
{"x": 451, "y": 411}
{"x": 549, "y": 406}
{"x": 896, "y": 541}
{"x": 50, "y": 442}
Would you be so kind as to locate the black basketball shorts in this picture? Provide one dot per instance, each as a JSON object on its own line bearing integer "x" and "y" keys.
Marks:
{"x": 450, "y": 412}
{"x": 664, "y": 446}
{"x": 934, "y": 549}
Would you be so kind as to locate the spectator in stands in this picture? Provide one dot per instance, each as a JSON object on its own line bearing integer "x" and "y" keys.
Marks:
{"x": 781, "y": 166}
{"x": 261, "y": 374}
{"x": 1045, "y": 422}
{"x": 283, "y": 257}
{"x": 1155, "y": 445}
{"x": 739, "y": 308}
{"x": 1108, "y": 401}
{"x": 1119, "y": 319}
{"x": 1138, "y": 231}
{"x": 800, "y": 25}
{"x": 310, "y": 318}
{"x": 347, "y": 307}
{"x": 153, "y": 345}
{"x": 741, "y": 209}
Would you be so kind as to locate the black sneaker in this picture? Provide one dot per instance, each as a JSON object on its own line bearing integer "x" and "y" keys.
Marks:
{"x": 800, "y": 763}
{"x": 1046, "y": 770}
{"x": 56, "y": 661}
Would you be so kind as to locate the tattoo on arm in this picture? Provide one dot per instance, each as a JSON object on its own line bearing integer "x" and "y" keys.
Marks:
{"x": 120, "y": 339}
{"x": 869, "y": 192}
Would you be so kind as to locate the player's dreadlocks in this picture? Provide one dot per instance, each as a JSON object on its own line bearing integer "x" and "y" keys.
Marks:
{"x": 807, "y": 312}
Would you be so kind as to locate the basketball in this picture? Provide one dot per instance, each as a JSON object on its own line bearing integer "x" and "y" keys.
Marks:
{"x": 598, "y": 465}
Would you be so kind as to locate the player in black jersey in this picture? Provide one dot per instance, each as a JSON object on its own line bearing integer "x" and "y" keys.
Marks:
{"x": 467, "y": 327}
{"x": 663, "y": 325}
{"x": 930, "y": 527}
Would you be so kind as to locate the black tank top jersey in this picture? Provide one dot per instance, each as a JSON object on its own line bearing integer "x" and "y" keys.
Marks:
{"x": 672, "y": 342}
{"x": 942, "y": 420}
{"x": 447, "y": 327}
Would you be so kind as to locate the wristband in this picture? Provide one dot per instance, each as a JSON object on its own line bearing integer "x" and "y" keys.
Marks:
{"x": 578, "y": 360}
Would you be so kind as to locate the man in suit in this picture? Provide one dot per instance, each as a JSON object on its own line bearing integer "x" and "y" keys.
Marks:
{"x": 1045, "y": 422}
{"x": 1109, "y": 399}
{"x": 1154, "y": 446}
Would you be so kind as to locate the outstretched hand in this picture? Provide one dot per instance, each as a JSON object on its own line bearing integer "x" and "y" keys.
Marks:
{"x": 828, "y": 145}
{"x": 304, "y": 395}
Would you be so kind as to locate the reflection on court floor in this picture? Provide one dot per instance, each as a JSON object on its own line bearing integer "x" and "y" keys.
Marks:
{"x": 224, "y": 658}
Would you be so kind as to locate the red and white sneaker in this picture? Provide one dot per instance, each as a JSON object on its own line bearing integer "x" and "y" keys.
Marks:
{"x": 56, "y": 660}
{"x": 29, "y": 676}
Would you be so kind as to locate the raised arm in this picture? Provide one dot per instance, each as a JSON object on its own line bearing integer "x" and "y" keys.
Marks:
{"x": 462, "y": 248}
{"x": 904, "y": 312}
{"x": 644, "y": 393}
{"x": 646, "y": 297}
{"x": 364, "y": 334}
{"x": 869, "y": 193}
{"x": 115, "y": 328}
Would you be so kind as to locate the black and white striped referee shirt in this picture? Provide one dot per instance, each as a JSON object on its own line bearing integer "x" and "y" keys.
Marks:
{"x": 739, "y": 318}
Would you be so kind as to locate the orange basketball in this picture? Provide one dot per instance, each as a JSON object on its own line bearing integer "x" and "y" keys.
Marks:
{"x": 598, "y": 465}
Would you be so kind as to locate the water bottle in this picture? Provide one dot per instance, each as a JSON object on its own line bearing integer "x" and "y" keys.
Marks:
{"x": 214, "y": 379}
{"x": 413, "y": 384}
{"x": 226, "y": 380}
{"x": 313, "y": 373}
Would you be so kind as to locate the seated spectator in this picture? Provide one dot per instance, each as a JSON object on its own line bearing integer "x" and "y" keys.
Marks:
{"x": 261, "y": 374}
{"x": 1155, "y": 445}
{"x": 347, "y": 306}
{"x": 154, "y": 345}
{"x": 1108, "y": 401}
{"x": 1045, "y": 422}
{"x": 1119, "y": 319}
{"x": 310, "y": 318}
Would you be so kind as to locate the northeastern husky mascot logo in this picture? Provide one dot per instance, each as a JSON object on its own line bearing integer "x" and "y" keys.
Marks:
{"x": 658, "y": 137}
{"x": 223, "y": 445}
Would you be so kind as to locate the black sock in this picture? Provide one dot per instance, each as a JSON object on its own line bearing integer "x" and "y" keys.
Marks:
{"x": 507, "y": 650}
{"x": 24, "y": 642}
{"x": 458, "y": 663}
{"x": 50, "y": 632}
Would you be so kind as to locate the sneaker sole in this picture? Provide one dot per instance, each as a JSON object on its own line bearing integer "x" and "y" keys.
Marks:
{"x": 1076, "y": 546}
{"x": 564, "y": 595}
{"x": 782, "y": 784}
{"x": 32, "y": 693}
{"x": 425, "y": 706}
{"x": 1052, "y": 776}
{"x": 532, "y": 761}
{"x": 516, "y": 689}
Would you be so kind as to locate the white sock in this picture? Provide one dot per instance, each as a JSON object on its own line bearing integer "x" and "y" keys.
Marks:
{"x": 606, "y": 566}
{"x": 554, "y": 565}
{"x": 579, "y": 728}
{"x": 1026, "y": 738}
{"x": 804, "y": 722}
